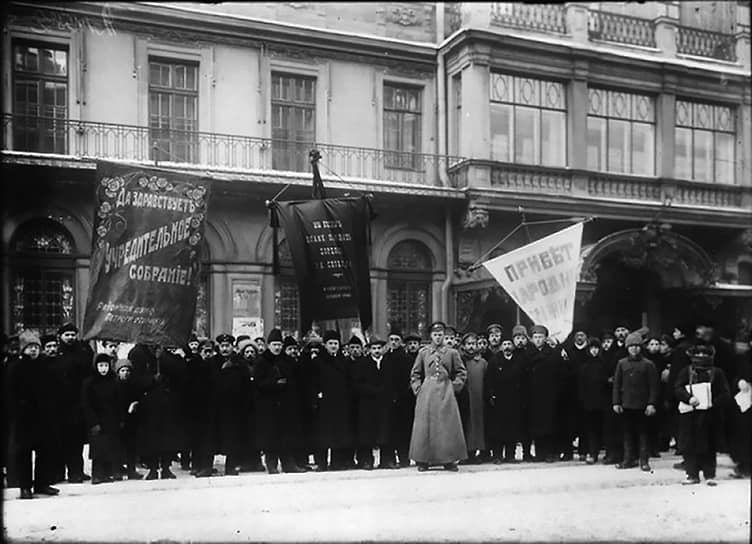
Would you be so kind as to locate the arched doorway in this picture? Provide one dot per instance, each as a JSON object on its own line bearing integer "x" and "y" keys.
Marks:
{"x": 408, "y": 305}
{"x": 645, "y": 277}
{"x": 42, "y": 258}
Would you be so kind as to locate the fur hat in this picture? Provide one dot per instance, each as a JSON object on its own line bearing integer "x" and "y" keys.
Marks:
{"x": 206, "y": 343}
{"x": 274, "y": 336}
{"x": 102, "y": 358}
{"x": 376, "y": 341}
{"x": 633, "y": 339}
{"x": 412, "y": 337}
{"x": 701, "y": 353}
{"x": 331, "y": 335}
{"x": 242, "y": 337}
{"x": 395, "y": 329}
{"x": 244, "y": 343}
{"x": 27, "y": 338}
{"x": 67, "y": 327}
{"x": 120, "y": 363}
{"x": 289, "y": 341}
{"x": 355, "y": 340}
{"x": 519, "y": 330}
{"x": 539, "y": 329}
{"x": 47, "y": 338}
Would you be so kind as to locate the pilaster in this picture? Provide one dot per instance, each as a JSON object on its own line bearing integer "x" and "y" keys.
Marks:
{"x": 475, "y": 127}
{"x": 665, "y": 122}
{"x": 577, "y": 99}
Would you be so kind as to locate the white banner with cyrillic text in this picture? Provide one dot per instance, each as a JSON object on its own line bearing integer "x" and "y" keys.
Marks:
{"x": 541, "y": 277}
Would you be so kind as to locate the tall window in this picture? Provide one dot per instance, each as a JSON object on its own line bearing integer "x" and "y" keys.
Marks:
{"x": 40, "y": 92}
{"x": 286, "y": 298}
{"x": 528, "y": 120}
{"x": 457, "y": 129}
{"x": 402, "y": 119}
{"x": 621, "y": 132}
{"x": 704, "y": 142}
{"x": 293, "y": 121}
{"x": 43, "y": 264}
{"x": 409, "y": 287}
{"x": 173, "y": 110}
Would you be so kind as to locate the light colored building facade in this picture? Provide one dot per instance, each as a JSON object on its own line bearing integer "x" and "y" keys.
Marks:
{"x": 455, "y": 117}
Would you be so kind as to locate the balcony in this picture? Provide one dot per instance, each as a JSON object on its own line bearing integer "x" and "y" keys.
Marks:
{"x": 94, "y": 140}
{"x": 597, "y": 188}
{"x": 703, "y": 43}
{"x": 545, "y": 17}
{"x": 613, "y": 27}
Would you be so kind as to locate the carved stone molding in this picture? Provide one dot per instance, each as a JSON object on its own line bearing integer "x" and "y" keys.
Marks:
{"x": 403, "y": 16}
{"x": 476, "y": 217}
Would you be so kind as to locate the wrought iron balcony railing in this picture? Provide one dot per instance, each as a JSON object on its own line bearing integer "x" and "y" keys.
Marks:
{"x": 547, "y": 17}
{"x": 614, "y": 27}
{"x": 135, "y": 143}
{"x": 704, "y": 43}
{"x": 537, "y": 180}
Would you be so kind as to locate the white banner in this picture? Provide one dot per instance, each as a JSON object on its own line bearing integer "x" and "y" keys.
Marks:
{"x": 541, "y": 277}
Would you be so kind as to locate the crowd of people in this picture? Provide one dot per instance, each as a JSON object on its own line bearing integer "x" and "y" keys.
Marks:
{"x": 324, "y": 405}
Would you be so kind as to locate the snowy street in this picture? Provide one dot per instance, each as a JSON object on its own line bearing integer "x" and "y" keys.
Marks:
{"x": 563, "y": 501}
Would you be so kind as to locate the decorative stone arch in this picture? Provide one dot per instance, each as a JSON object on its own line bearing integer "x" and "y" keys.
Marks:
{"x": 397, "y": 234}
{"x": 75, "y": 226}
{"x": 679, "y": 261}
{"x": 221, "y": 244}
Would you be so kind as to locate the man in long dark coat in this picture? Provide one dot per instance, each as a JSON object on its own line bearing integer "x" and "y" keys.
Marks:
{"x": 503, "y": 395}
{"x": 198, "y": 389}
{"x": 278, "y": 427}
{"x": 73, "y": 365}
{"x": 574, "y": 355}
{"x": 34, "y": 425}
{"x": 400, "y": 361}
{"x": 331, "y": 382}
{"x": 522, "y": 348}
{"x": 373, "y": 380}
{"x": 543, "y": 371}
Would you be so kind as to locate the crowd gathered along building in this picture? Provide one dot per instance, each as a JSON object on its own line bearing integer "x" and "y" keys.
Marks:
{"x": 459, "y": 118}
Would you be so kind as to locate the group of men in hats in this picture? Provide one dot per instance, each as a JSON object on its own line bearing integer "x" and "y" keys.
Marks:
{"x": 327, "y": 405}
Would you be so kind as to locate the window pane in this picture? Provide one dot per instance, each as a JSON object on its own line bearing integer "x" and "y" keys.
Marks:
{"x": 642, "y": 149}
{"x": 618, "y": 146}
{"x": 683, "y": 153}
{"x": 526, "y": 135}
{"x": 703, "y": 155}
{"x": 724, "y": 157}
{"x": 596, "y": 143}
{"x": 553, "y": 138}
{"x": 501, "y": 132}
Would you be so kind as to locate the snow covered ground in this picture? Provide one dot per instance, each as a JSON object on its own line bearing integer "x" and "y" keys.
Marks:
{"x": 562, "y": 501}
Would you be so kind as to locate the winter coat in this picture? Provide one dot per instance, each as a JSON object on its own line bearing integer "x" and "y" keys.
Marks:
{"x": 593, "y": 386}
{"x": 702, "y": 431}
{"x": 635, "y": 384}
{"x": 543, "y": 371}
{"x": 503, "y": 395}
{"x": 330, "y": 397}
{"x": 305, "y": 371}
{"x": 401, "y": 363}
{"x": 162, "y": 427}
{"x": 278, "y": 425}
{"x": 33, "y": 399}
{"x": 472, "y": 407}
{"x": 679, "y": 360}
{"x": 233, "y": 391}
{"x": 377, "y": 400}
{"x": 73, "y": 365}
{"x": 198, "y": 401}
{"x": 129, "y": 391}
{"x": 438, "y": 374}
{"x": 104, "y": 417}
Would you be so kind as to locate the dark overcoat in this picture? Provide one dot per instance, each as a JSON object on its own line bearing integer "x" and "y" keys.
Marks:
{"x": 104, "y": 417}
{"x": 232, "y": 415}
{"x": 73, "y": 365}
{"x": 376, "y": 400}
{"x": 401, "y": 363}
{"x": 702, "y": 431}
{"x": 278, "y": 425}
{"x": 198, "y": 401}
{"x": 162, "y": 425}
{"x": 503, "y": 395}
{"x": 33, "y": 402}
{"x": 332, "y": 418}
{"x": 543, "y": 375}
{"x": 593, "y": 386}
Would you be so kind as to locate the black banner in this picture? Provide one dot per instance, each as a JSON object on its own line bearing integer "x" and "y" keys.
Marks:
{"x": 148, "y": 228}
{"x": 328, "y": 241}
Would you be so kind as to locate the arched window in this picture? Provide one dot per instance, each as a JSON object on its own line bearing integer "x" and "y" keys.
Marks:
{"x": 409, "y": 287}
{"x": 42, "y": 253}
{"x": 286, "y": 297}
